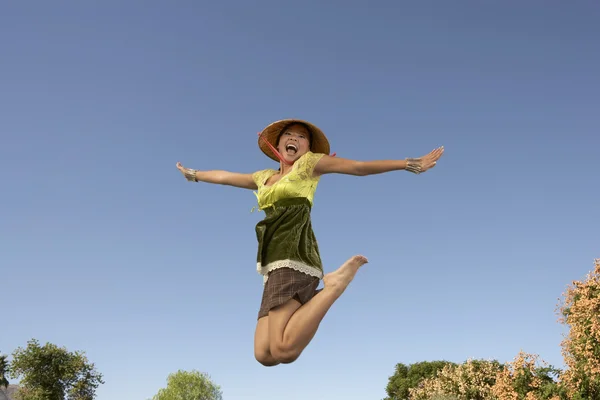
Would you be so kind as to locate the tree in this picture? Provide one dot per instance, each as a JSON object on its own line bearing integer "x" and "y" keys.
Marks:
{"x": 408, "y": 377}
{"x": 3, "y": 371}
{"x": 522, "y": 379}
{"x": 472, "y": 380}
{"x": 193, "y": 385}
{"x": 50, "y": 372}
{"x": 580, "y": 310}
{"x": 528, "y": 377}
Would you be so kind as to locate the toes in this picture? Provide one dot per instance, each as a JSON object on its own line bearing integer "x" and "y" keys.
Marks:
{"x": 361, "y": 259}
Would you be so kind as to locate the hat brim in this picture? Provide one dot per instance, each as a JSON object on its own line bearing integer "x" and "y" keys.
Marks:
{"x": 319, "y": 142}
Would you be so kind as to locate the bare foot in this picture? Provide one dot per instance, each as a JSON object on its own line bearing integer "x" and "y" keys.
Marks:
{"x": 338, "y": 280}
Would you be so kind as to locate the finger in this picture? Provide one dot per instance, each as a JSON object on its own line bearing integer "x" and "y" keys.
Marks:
{"x": 437, "y": 153}
{"x": 431, "y": 157}
{"x": 434, "y": 153}
{"x": 436, "y": 156}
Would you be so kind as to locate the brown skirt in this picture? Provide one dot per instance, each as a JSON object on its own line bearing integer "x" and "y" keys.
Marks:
{"x": 285, "y": 284}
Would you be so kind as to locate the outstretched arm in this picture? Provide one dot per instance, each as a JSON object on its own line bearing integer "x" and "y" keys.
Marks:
{"x": 335, "y": 165}
{"x": 219, "y": 177}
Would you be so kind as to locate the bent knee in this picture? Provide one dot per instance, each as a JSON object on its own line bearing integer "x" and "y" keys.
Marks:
{"x": 284, "y": 354}
{"x": 265, "y": 358}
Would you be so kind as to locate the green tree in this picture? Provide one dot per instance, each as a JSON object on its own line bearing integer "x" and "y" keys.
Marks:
{"x": 50, "y": 372}
{"x": 3, "y": 371}
{"x": 408, "y": 377}
{"x": 192, "y": 385}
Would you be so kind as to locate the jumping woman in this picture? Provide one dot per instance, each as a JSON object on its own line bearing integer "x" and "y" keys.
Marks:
{"x": 288, "y": 256}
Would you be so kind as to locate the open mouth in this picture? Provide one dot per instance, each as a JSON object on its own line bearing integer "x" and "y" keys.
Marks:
{"x": 291, "y": 148}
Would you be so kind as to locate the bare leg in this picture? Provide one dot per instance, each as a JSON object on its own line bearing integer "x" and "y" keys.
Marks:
{"x": 262, "y": 349}
{"x": 292, "y": 326}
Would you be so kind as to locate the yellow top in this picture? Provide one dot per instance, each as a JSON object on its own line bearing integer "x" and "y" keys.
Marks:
{"x": 299, "y": 182}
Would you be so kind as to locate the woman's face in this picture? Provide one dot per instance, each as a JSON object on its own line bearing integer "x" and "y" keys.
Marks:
{"x": 294, "y": 142}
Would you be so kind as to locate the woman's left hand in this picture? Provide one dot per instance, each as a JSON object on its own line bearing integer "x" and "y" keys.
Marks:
{"x": 422, "y": 164}
{"x": 188, "y": 173}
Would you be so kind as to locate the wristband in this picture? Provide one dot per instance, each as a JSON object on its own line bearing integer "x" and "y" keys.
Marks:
{"x": 414, "y": 165}
{"x": 190, "y": 174}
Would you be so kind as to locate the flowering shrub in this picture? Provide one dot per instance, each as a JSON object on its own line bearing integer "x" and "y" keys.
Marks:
{"x": 525, "y": 379}
{"x": 521, "y": 379}
{"x": 580, "y": 310}
{"x": 409, "y": 376}
{"x": 472, "y": 380}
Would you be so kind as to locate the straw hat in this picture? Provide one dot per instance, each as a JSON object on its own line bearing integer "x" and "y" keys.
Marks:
{"x": 319, "y": 142}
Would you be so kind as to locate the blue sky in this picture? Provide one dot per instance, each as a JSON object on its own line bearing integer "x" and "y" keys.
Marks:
{"x": 105, "y": 248}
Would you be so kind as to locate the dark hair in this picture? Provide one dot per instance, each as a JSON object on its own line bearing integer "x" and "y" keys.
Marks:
{"x": 285, "y": 128}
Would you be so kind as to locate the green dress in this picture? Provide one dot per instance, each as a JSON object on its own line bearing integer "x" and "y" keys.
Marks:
{"x": 285, "y": 236}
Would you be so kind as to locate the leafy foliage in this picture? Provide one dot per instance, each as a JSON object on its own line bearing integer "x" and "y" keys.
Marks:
{"x": 407, "y": 377}
{"x": 192, "y": 385}
{"x": 50, "y": 372}
{"x": 522, "y": 379}
{"x": 472, "y": 380}
{"x": 528, "y": 378}
{"x": 3, "y": 371}
{"x": 444, "y": 397}
{"x": 580, "y": 310}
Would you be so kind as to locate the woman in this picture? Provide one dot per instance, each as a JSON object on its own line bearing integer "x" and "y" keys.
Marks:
{"x": 288, "y": 255}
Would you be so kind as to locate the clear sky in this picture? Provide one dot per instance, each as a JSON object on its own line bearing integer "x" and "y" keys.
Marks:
{"x": 105, "y": 248}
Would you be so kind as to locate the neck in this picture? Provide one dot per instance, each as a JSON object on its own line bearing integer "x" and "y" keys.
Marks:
{"x": 285, "y": 168}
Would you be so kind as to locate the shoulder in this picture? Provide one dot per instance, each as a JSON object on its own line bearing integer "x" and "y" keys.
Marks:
{"x": 310, "y": 156}
{"x": 305, "y": 166}
{"x": 309, "y": 160}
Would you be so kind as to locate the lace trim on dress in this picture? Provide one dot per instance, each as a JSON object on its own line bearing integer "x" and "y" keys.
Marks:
{"x": 296, "y": 265}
